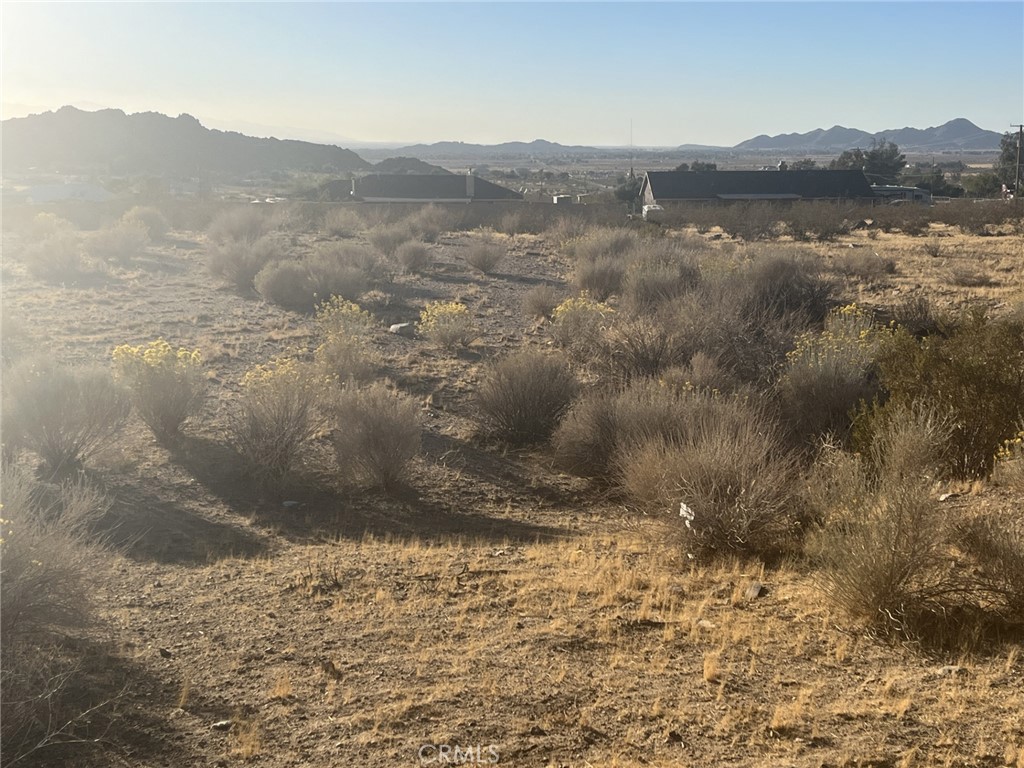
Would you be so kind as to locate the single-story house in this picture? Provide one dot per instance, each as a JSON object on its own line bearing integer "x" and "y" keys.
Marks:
{"x": 661, "y": 187}
{"x": 428, "y": 188}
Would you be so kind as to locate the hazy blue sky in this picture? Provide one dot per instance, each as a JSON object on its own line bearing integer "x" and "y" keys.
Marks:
{"x": 488, "y": 72}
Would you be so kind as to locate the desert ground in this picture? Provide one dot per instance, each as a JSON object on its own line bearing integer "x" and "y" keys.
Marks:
{"x": 492, "y": 607}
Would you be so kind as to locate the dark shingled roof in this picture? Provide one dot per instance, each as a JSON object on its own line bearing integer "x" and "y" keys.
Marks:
{"x": 415, "y": 186}
{"x": 737, "y": 185}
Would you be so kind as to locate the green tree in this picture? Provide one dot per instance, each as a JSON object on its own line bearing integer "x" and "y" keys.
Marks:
{"x": 1006, "y": 165}
{"x": 700, "y": 165}
{"x": 683, "y": 167}
{"x": 882, "y": 163}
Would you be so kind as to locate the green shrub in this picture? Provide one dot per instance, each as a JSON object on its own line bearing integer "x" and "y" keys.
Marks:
{"x": 167, "y": 385}
{"x": 239, "y": 261}
{"x": 277, "y": 418}
{"x": 376, "y": 434}
{"x": 447, "y": 323}
{"x": 975, "y": 376}
{"x": 64, "y": 415}
{"x": 524, "y": 396}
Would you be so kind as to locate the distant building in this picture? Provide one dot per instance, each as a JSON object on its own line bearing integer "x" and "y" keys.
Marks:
{"x": 661, "y": 187}
{"x": 427, "y": 188}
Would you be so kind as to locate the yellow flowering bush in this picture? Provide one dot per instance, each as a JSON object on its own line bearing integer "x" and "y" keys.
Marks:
{"x": 277, "y": 416}
{"x": 828, "y": 373}
{"x": 447, "y": 323}
{"x": 577, "y": 324}
{"x": 344, "y": 353}
{"x": 1009, "y": 466}
{"x": 167, "y": 384}
{"x": 339, "y": 315}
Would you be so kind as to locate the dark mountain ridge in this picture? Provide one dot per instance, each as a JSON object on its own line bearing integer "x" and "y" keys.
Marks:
{"x": 110, "y": 141}
{"x": 953, "y": 135}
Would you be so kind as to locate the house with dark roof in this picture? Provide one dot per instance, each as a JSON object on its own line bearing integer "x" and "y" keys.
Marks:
{"x": 667, "y": 187}
{"x": 429, "y": 188}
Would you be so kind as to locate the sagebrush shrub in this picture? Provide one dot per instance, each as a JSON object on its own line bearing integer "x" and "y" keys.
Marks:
{"x": 996, "y": 543}
{"x": 541, "y": 300}
{"x": 865, "y": 265}
{"x": 605, "y": 422}
{"x": 386, "y": 238}
{"x": 578, "y": 324}
{"x": 342, "y": 222}
{"x": 781, "y": 284}
{"x": 659, "y": 275}
{"x": 883, "y": 540}
{"x": 429, "y": 222}
{"x": 376, "y": 434}
{"x": 119, "y": 243}
{"x": 447, "y": 323}
{"x": 287, "y": 283}
{"x": 239, "y": 261}
{"x": 604, "y": 242}
{"x": 277, "y": 417}
{"x": 523, "y": 397}
{"x": 725, "y": 477}
{"x": 150, "y": 219}
{"x": 337, "y": 271}
{"x": 484, "y": 257}
{"x": 55, "y": 259}
{"x": 631, "y": 348}
{"x": 600, "y": 278}
{"x": 413, "y": 257}
{"x": 246, "y": 223}
{"x": 50, "y": 569}
{"x": 64, "y": 415}
{"x": 167, "y": 385}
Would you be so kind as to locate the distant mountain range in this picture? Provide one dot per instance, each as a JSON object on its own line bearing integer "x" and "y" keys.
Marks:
{"x": 111, "y": 142}
{"x": 956, "y": 134}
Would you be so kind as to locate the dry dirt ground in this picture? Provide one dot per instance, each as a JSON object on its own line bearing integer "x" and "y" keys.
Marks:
{"x": 493, "y": 604}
